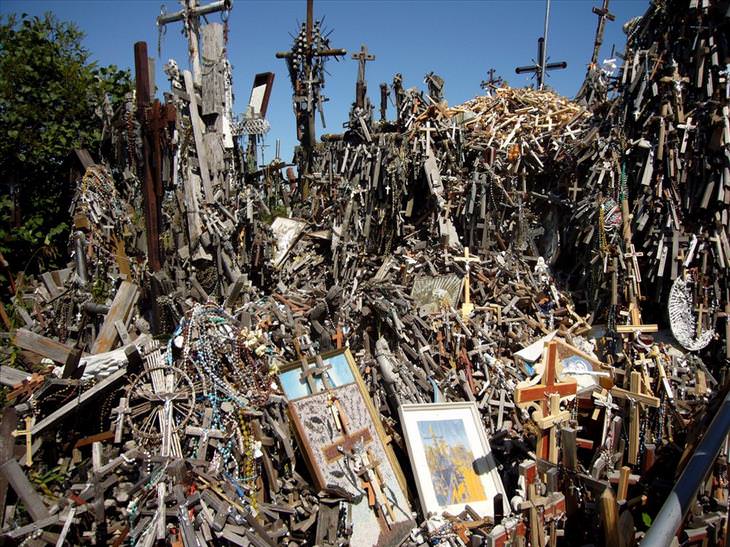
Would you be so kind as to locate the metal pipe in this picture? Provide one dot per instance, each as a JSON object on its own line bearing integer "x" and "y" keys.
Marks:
{"x": 543, "y": 59}
{"x": 680, "y": 499}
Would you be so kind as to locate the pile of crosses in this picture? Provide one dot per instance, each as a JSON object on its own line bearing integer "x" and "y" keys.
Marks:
{"x": 431, "y": 332}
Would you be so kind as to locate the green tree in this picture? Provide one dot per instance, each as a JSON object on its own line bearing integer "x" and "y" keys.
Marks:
{"x": 50, "y": 103}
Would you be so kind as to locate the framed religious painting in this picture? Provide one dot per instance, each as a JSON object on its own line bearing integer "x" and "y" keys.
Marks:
{"x": 343, "y": 442}
{"x": 451, "y": 458}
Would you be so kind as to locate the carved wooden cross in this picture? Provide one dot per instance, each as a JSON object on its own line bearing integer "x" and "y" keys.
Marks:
{"x": 347, "y": 441}
{"x": 549, "y": 413}
{"x": 190, "y": 17}
{"x": 27, "y": 432}
{"x": 309, "y": 372}
{"x": 362, "y": 57}
{"x": 120, "y": 410}
{"x": 467, "y": 307}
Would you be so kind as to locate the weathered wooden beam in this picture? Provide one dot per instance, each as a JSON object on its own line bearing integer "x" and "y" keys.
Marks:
{"x": 41, "y": 345}
{"x": 121, "y": 308}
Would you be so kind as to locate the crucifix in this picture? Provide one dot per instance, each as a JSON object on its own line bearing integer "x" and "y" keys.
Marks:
{"x": 361, "y": 88}
{"x": 27, "y": 432}
{"x": 541, "y": 66}
{"x": 190, "y": 18}
{"x": 548, "y": 393}
{"x": 467, "y": 307}
{"x": 603, "y": 14}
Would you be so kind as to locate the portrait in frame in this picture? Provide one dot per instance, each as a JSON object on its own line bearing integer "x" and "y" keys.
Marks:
{"x": 451, "y": 459}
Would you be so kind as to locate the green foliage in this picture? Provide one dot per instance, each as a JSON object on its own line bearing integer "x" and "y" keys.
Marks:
{"x": 50, "y": 99}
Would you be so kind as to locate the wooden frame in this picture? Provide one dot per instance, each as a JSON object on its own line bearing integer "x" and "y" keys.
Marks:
{"x": 331, "y": 451}
{"x": 469, "y": 469}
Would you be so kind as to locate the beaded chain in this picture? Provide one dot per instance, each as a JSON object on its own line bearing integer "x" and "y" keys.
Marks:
{"x": 233, "y": 367}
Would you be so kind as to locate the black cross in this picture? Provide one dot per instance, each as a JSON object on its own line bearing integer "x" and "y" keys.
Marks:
{"x": 362, "y": 57}
{"x": 492, "y": 82}
{"x": 603, "y": 14}
{"x": 541, "y": 66}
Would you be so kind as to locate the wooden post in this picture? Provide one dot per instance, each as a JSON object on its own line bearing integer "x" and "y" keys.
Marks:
{"x": 151, "y": 205}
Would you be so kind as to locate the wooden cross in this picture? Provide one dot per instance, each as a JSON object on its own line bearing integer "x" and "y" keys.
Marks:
{"x": 309, "y": 372}
{"x": 467, "y": 307}
{"x": 687, "y": 126}
{"x": 362, "y": 57}
{"x": 120, "y": 410}
{"x": 205, "y": 433}
{"x": 549, "y": 413}
{"x": 190, "y": 17}
{"x": 27, "y": 432}
{"x": 575, "y": 189}
{"x": 501, "y": 403}
{"x": 373, "y": 481}
{"x": 338, "y": 338}
{"x": 603, "y": 14}
{"x": 428, "y": 130}
{"x": 637, "y": 396}
{"x": 347, "y": 441}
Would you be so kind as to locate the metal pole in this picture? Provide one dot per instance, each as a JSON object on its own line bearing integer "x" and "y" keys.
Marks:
{"x": 543, "y": 57}
{"x": 683, "y": 494}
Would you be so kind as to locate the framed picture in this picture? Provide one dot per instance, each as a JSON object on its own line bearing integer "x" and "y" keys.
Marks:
{"x": 451, "y": 459}
{"x": 343, "y": 442}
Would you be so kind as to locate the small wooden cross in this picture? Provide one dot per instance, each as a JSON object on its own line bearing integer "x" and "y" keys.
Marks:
{"x": 309, "y": 372}
{"x": 120, "y": 410}
{"x": 575, "y": 189}
{"x": 501, "y": 403}
{"x": 205, "y": 433}
{"x": 338, "y": 338}
{"x": 29, "y": 421}
{"x": 549, "y": 413}
{"x": 467, "y": 307}
{"x": 428, "y": 130}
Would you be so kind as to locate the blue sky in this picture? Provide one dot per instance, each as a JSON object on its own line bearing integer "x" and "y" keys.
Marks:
{"x": 458, "y": 40}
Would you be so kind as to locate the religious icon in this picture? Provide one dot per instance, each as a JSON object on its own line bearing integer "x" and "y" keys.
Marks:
{"x": 451, "y": 458}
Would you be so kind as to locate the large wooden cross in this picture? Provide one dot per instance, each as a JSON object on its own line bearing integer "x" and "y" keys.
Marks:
{"x": 190, "y": 17}
{"x": 467, "y": 307}
{"x": 603, "y": 14}
{"x": 637, "y": 396}
{"x": 548, "y": 393}
{"x": 362, "y": 57}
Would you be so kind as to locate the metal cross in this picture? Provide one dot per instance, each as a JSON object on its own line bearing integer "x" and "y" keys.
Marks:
{"x": 492, "y": 82}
